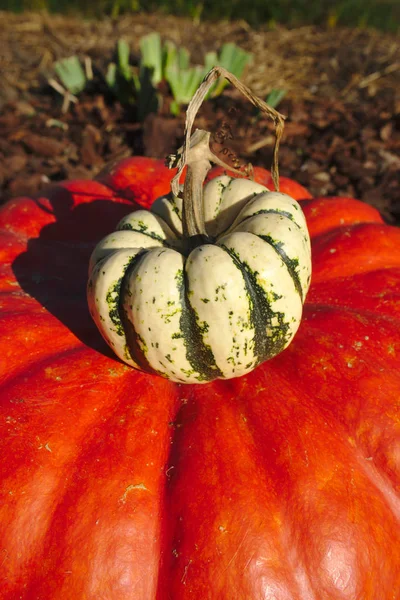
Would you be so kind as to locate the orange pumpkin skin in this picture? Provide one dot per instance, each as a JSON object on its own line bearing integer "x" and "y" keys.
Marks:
{"x": 117, "y": 485}
{"x": 143, "y": 179}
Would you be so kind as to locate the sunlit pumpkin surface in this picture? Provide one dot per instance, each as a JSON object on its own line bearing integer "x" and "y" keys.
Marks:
{"x": 117, "y": 485}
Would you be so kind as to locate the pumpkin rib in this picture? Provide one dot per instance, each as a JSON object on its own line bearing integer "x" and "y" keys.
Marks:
{"x": 141, "y": 338}
{"x": 367, "y": 228}
{"x": 385, "y": 483}
{"x": 76, "y": 434}
{"x": 148, "y": 223}
{"x": 12, "y": 235}
{"x": 302, "y": 467}
{"x": 203, "y": 461}
{"x": 291, "y": 244}
{"x": 325, "y": 215}
{"x": 353, "y": 310}
{"x": 12, "y": 246}
{"x": 362, "y": 291}
{"x": 154, "y": 237}
{"x": 169, "y": 209}
{"x": 53, "y": 371}
{"x": 122, "y": 240}
{"x": 223, "y": 312}
{"x": 370, "y": 322}
{"x": 377, "y": 244}
{"x": 28, "y": 303}
{"x": 235, "y": 208}
{"x": 264, "y": 177}
{"x": 280, "y": 327}
{"x": 138, "y": 178}
{"x": 15, "y": 371}
{"x": 363, "y": 405}
{"x": 211, "y": 456}
{"x": 105, "y": 300}
{"x": 41, "y": 363}
{"x": 20, "y": 218}
{"x": 380, "y": 482}
{"x": 266, "y": 211}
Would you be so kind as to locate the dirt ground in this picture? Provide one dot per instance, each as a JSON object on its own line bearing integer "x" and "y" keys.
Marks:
{"x": 342, "y": 103}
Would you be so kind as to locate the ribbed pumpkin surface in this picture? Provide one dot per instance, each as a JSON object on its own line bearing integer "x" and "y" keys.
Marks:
{"x": 282, "y": 485}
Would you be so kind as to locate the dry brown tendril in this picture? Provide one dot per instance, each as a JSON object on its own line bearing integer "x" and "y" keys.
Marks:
{"x": 200, "y": 149}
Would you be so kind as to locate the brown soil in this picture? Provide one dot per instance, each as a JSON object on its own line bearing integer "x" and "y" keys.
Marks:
{"x": 342, "y": 134}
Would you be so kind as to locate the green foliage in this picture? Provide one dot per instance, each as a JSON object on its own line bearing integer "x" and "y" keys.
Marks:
{"x": 232, "y": 58}
{"x": 275, "y": 97}
{"x": 129, "y": 86}
{"x": 71, "y": 74}
{"x": 383, "y": 14}
{"x": 123, "y": 59}
{"x": 183, "y": 84}
{"x": 167, "y": 62}
{"x": 138, "y": 86}
{"x": 152, "y": 56}
{"x": 184, "y": 80}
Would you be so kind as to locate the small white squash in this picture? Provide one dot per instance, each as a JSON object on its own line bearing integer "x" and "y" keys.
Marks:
{"x": 215, "y": 310}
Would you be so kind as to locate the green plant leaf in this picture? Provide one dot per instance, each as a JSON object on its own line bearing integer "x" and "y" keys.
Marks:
{"x": 169, "y": 56}
{"x": 174, "y": 108}
{"x": 210, "y": 61}
{"x": 111, "y": 75}
{"x": 275, "y": 97}
{"x": 71, "y": 74}
{"x": 123, "y": 53}
{"x": 184, "y": 82}
{"x": 183, "y": 58}
{"x": 152, "y": 56}
{"x": 232, "y": 58}
{"x": 170, "y": 63}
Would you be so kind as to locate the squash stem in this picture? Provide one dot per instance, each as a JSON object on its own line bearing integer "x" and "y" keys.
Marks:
{"x": 193, "y": 206}
{"x": 198, "y": 159}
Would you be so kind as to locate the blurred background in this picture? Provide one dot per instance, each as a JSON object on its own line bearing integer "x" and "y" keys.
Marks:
{"x": 84, "y": 84}
{"x": 383, "y": 14}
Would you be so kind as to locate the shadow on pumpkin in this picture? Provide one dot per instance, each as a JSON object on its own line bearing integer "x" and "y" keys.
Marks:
{"x": 54, "y": 269}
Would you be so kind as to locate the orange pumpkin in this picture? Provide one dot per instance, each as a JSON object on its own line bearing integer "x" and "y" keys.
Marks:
{"x": 115, "y": 484}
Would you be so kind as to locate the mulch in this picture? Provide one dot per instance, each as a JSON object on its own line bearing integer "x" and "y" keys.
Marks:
{"x": 342, "y": 134}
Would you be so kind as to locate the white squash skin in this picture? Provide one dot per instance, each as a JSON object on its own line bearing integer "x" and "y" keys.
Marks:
{"x": 155, "y": 311}
{"x": 272, "y": 277}
{"x": 277, "y": 202}
{"x": 213, "y": 192}
{"x": 104, "y": 278}
{"x": 234, "y": 195}
{"x": 236, "y": 302}
{"x": 144, "y": 221}
{"x": 120, "y": 240}
{"x": 222, "y": 308}
{"x": 169, "y": 208}
{"x": 295, "y": 247}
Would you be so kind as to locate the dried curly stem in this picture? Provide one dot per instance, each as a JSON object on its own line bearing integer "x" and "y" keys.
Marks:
{"x": 197, "y": 155}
